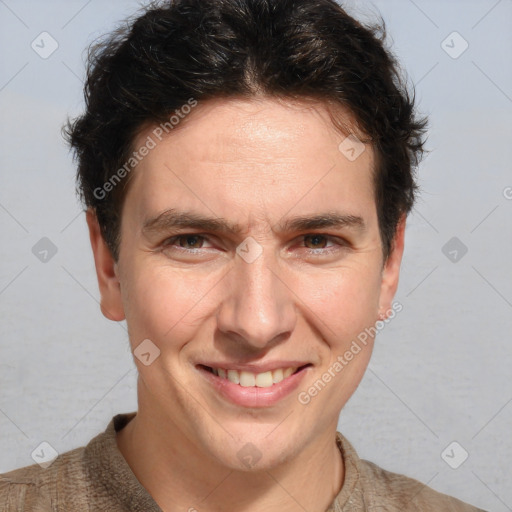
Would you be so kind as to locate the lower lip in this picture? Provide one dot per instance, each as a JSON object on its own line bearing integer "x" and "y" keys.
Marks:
{"x": 254, "y": 396}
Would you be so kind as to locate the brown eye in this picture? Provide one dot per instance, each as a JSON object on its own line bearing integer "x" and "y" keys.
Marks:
{"x": 317, "y": 241}
{"x": 192, "y": 241}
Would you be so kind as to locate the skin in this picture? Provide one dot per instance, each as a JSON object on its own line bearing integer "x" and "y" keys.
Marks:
{"x": 256, "y": 163}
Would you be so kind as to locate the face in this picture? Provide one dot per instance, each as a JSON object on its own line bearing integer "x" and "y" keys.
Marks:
{"x": 251, "y": 259}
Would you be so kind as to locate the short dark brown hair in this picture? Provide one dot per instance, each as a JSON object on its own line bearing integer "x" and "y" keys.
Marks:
{"x": 180, "y": 50}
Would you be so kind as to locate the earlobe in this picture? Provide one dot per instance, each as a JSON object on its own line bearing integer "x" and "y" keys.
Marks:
{"x": 391, "y": 271}
{"x": 106, "y": 271}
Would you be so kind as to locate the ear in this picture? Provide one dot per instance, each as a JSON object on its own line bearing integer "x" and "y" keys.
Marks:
{"x": 391, "y": 271}
{"x": 106, "y": 270}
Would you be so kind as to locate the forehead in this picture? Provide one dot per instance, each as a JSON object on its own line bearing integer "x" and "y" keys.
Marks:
{"x": 261, "y": 157}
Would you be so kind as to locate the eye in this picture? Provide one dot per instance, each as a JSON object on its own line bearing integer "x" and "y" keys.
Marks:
{"x": 187, "y": 242}
{"x": 317, "y": 241}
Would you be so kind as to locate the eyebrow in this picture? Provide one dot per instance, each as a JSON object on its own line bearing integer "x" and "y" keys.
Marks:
{"x": 172, "y": 219}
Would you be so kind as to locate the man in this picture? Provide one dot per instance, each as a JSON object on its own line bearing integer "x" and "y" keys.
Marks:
{"x": 247, "y": 168}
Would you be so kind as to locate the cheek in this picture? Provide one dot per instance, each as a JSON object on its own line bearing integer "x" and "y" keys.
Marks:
{"x": 345, "y": 305}
{"x": 163, "y": 305}
{"x": 345, "y": 302}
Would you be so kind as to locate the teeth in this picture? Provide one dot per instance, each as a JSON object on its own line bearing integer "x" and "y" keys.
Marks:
{"x": 234, "y": 376}
{"x": 260, "y": 380}
{"x": 277, "y": 375}
{"x": 288, "y": 372}
{"x": 247, "y": 379}
{"x": 264, "y": 380}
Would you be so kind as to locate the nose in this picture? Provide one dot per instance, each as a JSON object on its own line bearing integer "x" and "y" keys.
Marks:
{"x": 258, "y": 309}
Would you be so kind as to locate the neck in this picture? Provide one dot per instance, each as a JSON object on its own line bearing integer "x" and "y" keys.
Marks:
{"x": 180, "y": 477}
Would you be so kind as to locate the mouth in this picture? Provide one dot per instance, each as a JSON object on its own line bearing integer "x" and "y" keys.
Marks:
{"x": 248, "y": 379}
{"x": 250, "y": 389}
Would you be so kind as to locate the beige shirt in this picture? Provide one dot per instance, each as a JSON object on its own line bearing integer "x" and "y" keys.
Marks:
{"x": 97, "y": 478}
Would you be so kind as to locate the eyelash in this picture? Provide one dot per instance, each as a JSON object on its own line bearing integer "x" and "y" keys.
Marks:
{"x": 337, "y": 241}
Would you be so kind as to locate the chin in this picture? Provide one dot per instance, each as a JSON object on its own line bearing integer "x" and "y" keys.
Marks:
{"x": 253, "y": 451}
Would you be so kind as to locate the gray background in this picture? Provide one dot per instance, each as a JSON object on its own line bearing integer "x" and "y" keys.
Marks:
{"x": 441, "y": 370}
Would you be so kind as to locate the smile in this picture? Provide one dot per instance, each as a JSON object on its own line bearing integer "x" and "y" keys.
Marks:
{"x": 249, "y": 379}
{"x": 249, "y": 389}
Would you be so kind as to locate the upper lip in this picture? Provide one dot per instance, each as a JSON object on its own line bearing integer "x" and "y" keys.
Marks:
{"x": 255, "y": 368}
